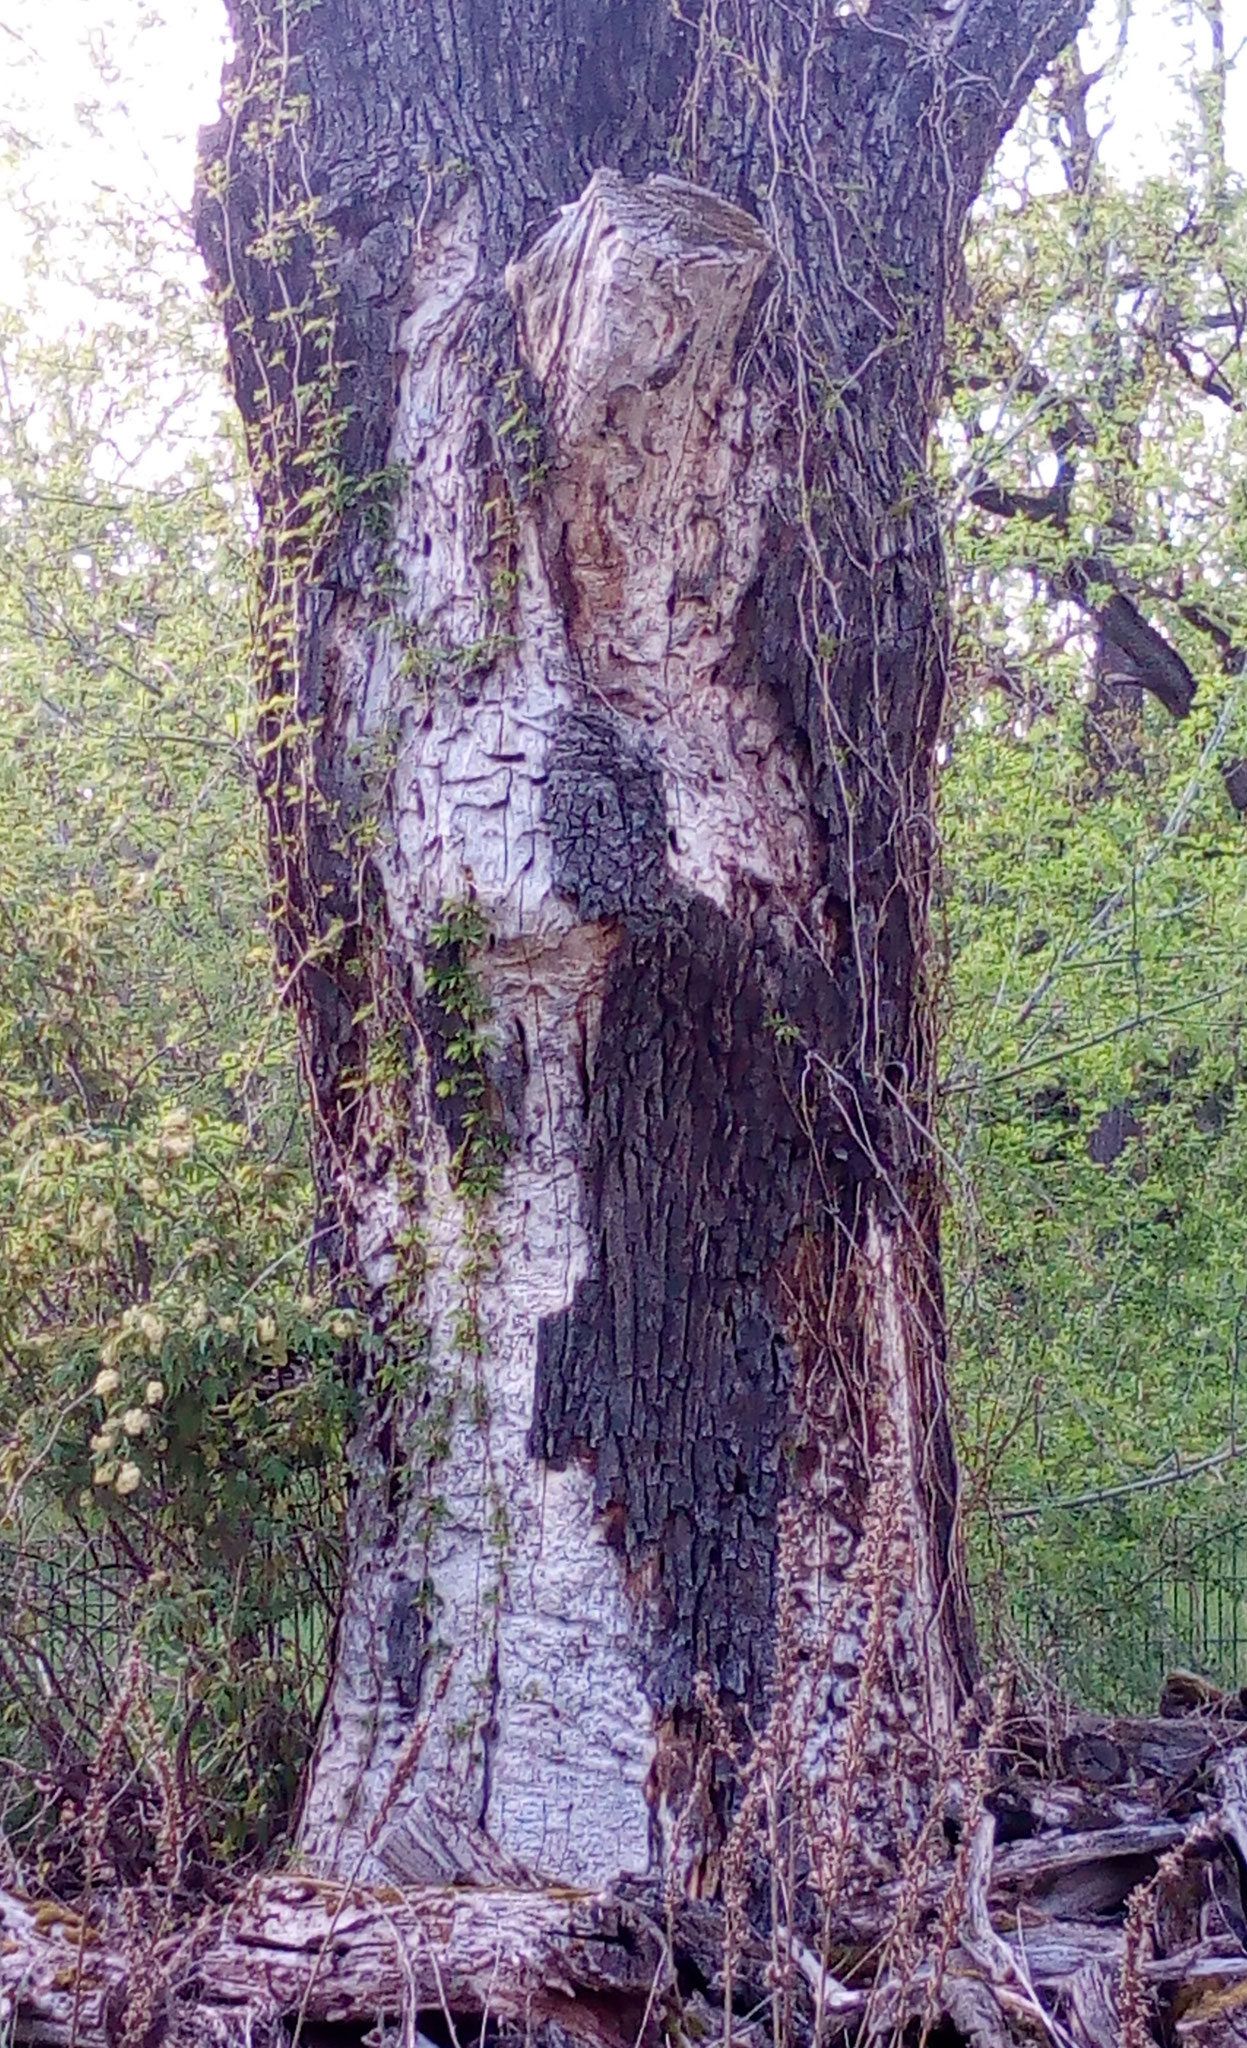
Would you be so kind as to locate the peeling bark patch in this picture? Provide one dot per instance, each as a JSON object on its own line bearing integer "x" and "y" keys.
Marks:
{"x": 669, "y": 1372}
{"x": 607, "y": 817}
{"x": 630, "y": 312}
{"x": 407, "y": 1632}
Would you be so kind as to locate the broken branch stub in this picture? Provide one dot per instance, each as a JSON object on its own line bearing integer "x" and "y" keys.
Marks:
{"x": 630, "y": 311}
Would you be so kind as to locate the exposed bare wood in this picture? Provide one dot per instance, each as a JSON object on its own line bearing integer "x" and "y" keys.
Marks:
{"x": 1075, "y": 1876}
{"x": 1150, "y": 1755}
{"x": 289, "y": 1946}
{"x": 1090, "y": 2005}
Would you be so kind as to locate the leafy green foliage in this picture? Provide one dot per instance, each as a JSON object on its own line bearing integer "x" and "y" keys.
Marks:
{"x": 172, "y": 1418}
{"x": 1096, "y": 1113}
{"x": 1096, "y": 910}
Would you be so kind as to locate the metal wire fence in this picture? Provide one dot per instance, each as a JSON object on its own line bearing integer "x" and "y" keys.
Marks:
{"x": 76, "y": 1610}
{"x": 1105, "y": 1615}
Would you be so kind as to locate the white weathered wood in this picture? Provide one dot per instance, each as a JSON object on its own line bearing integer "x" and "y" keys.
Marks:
{"x": 1007, "y": 1965}
{"x": 1091, "y": 2005}
{"x": 1027, "y": 1869}
{"x": 289, "y": 1946}
{"x": 1230, "y": 1778}
{"x": 599, "y": 1965}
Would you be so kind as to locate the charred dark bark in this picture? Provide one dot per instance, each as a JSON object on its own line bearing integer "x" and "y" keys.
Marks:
{"x": 697, "y": 1173}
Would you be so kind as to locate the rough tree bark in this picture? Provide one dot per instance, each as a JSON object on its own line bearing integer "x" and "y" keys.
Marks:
{"x": 589, "y": 352}
{"x": 597, "y": 756}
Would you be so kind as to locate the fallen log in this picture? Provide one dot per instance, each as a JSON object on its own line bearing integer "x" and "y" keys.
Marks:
{"x": 291, "y": 1949}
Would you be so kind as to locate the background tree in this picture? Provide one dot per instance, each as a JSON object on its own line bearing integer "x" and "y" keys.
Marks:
{"x": 1094, "y": 896}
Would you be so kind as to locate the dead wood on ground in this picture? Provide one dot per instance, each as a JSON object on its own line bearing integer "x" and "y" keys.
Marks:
{"x": 1101, "y": 1902}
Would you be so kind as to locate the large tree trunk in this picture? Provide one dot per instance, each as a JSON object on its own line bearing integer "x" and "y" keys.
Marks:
{"x": 605, "y": 636}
